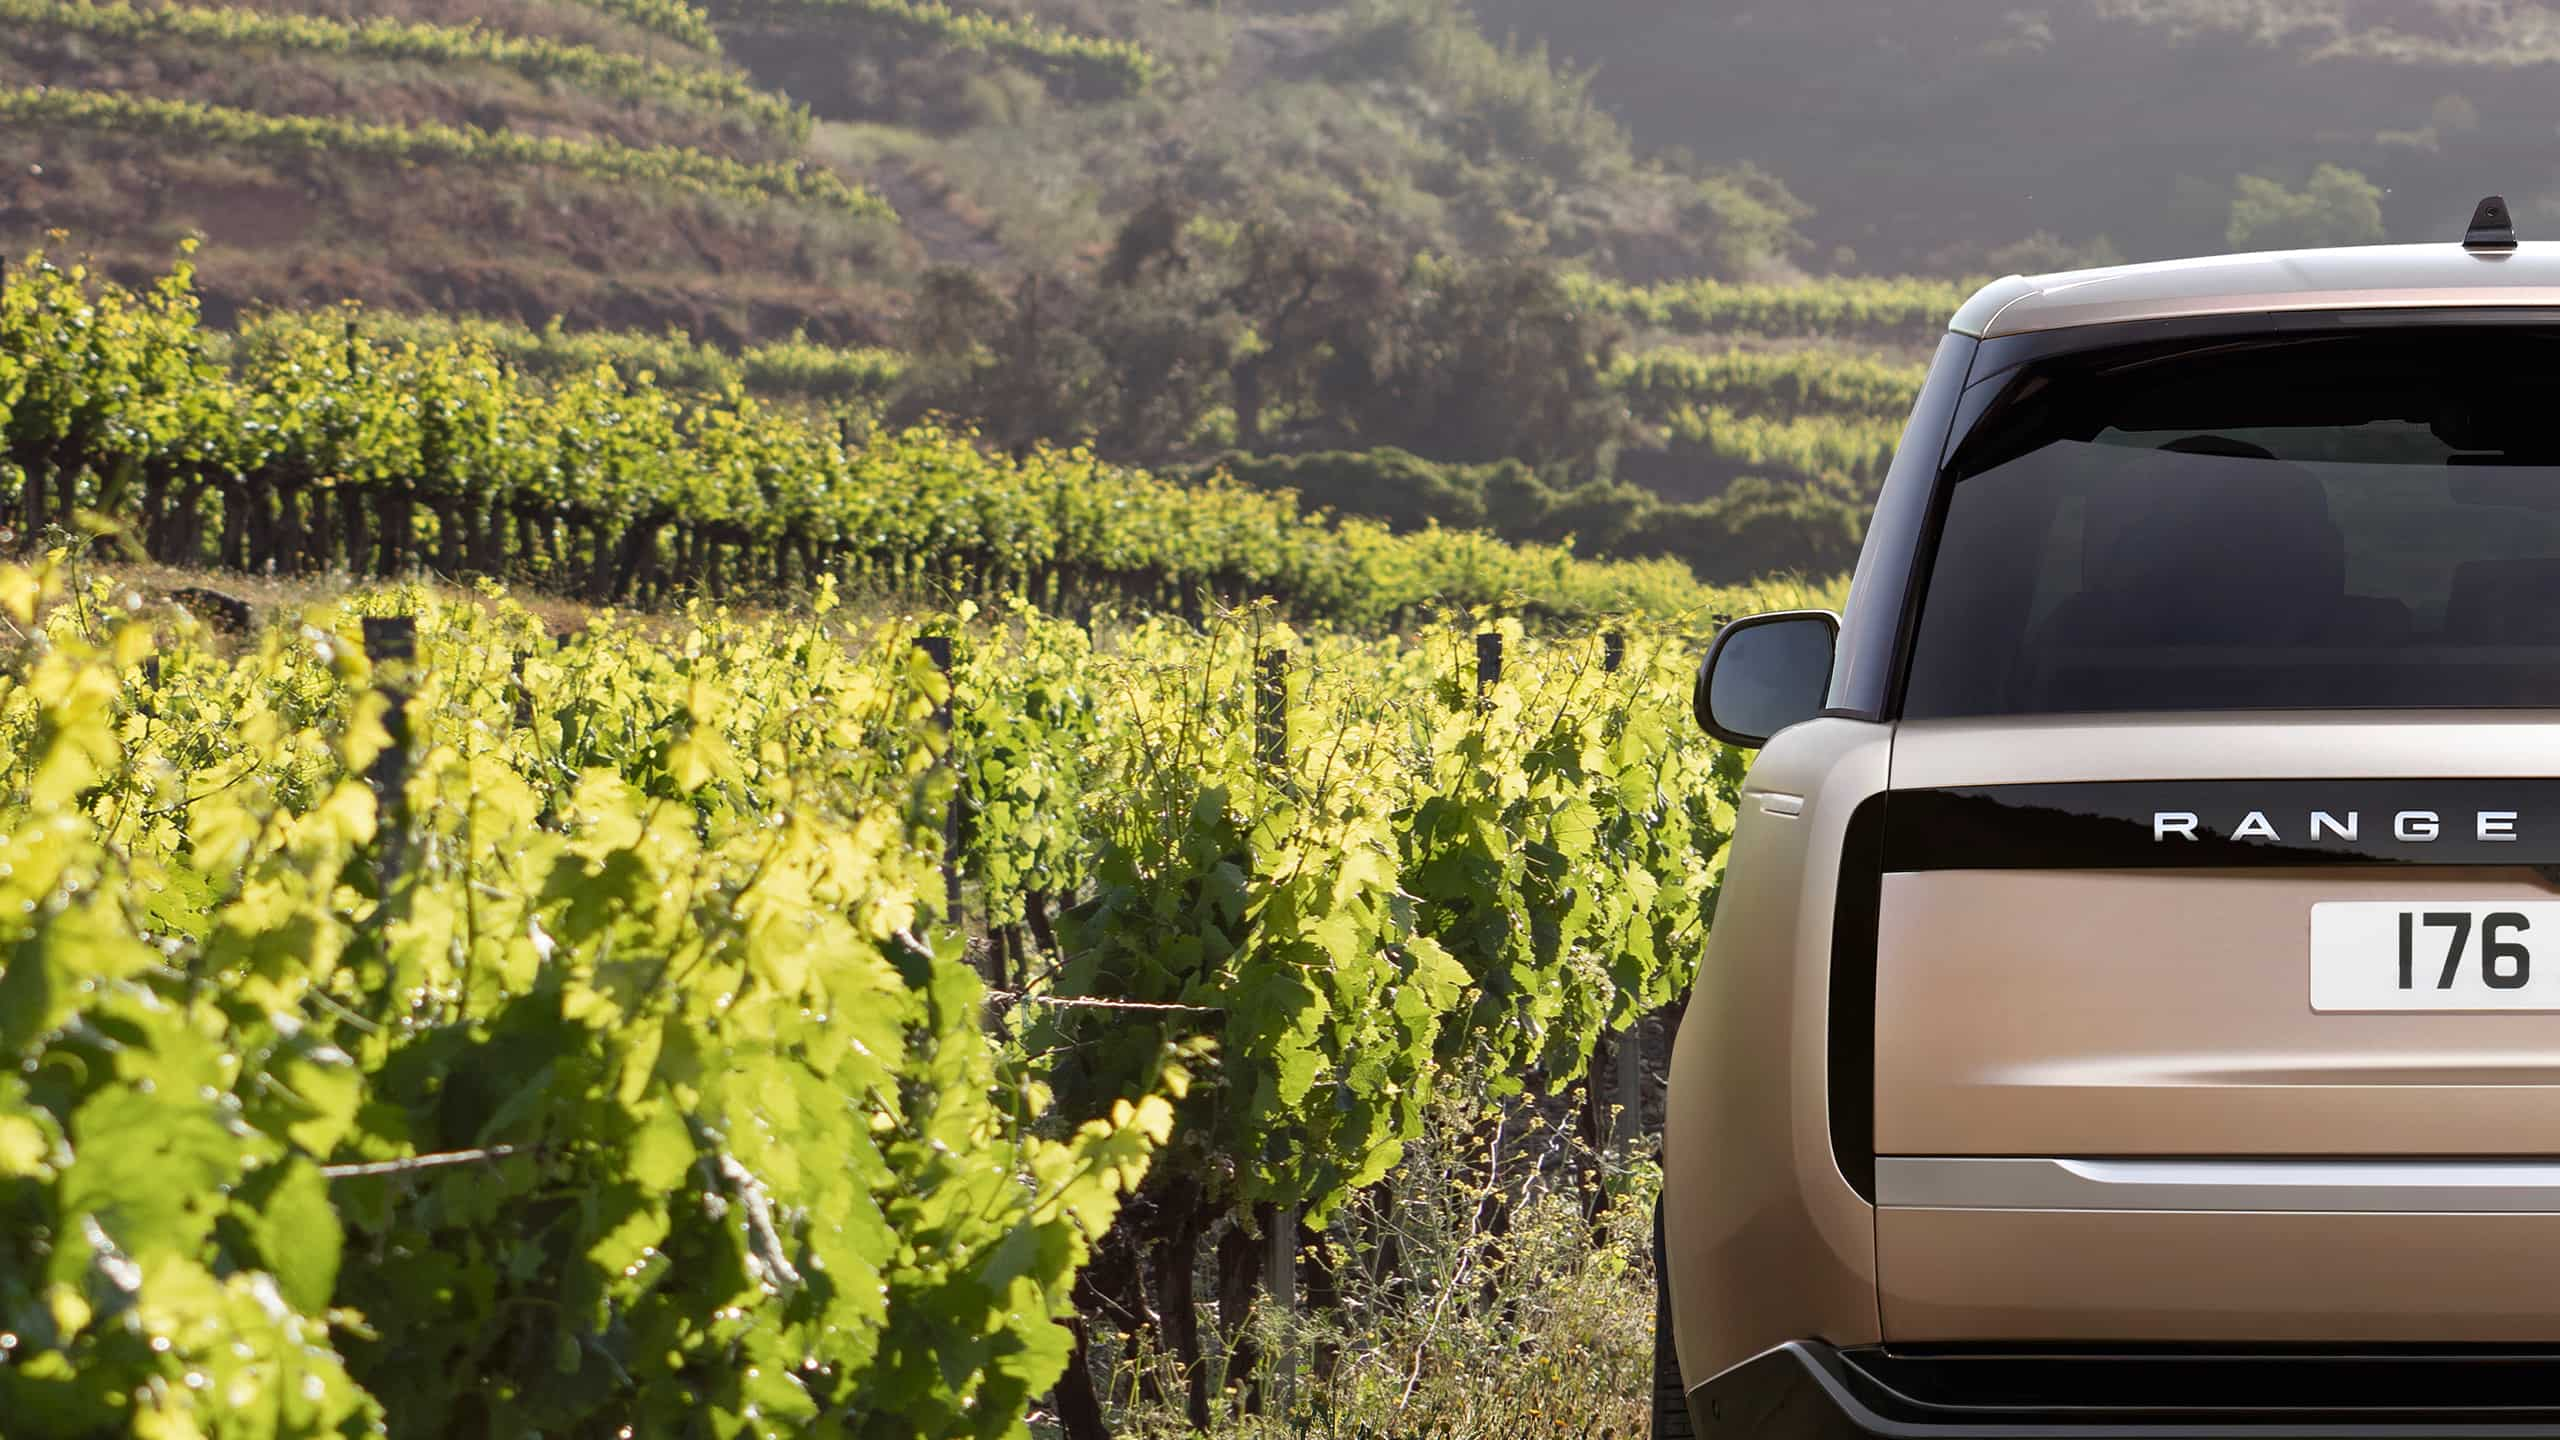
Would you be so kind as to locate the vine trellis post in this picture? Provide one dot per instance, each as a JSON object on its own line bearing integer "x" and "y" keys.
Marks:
{"x": 1626, "y": 1126}
{"x": 1280, "y": 1236}
{"x": 937, "y": 648}
{"x": 389, "y": 638}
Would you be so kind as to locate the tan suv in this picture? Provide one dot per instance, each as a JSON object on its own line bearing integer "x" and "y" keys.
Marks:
{"x": 2134, "y": 1005}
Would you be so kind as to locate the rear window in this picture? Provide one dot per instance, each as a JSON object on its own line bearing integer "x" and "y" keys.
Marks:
{"x": 2347, "y": 522}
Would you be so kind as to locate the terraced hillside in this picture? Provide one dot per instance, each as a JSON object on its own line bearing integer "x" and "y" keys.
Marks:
{"x": 651, "y": 163}
{"x": 525, "y": 159}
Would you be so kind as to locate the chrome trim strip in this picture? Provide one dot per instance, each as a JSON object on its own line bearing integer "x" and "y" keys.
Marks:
{"x": 2001, "y": 1183}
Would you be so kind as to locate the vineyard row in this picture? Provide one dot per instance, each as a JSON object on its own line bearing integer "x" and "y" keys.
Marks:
{"x": 679, "y": 20}
{"x": 797, "y": 369}
{"x": 1809, "y": 412}
{"x": 1884, "y": 309}
{"x": 319, "y": 449}
{"x": 1779, "y": 384}
{"x": 1847, "y": 455}
{"x": 1089, "y": 66}
{"x": 382, "y": 38}
{"x": 187, "y": 123}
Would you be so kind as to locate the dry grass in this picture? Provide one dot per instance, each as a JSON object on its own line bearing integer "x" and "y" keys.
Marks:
{"x": 1477, "y": 1301}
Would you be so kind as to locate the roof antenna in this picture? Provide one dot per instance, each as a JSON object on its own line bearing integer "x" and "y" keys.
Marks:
{"x": 2492, "y": 228}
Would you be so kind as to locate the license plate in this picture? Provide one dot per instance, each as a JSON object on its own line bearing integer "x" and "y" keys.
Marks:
{"x": 2382, "y": 955}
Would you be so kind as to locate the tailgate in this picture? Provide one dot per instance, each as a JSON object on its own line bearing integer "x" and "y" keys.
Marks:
{"x": 2066, "y": 966}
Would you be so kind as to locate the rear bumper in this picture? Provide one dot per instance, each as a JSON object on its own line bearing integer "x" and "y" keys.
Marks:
{"x": 1811, "y": 1391}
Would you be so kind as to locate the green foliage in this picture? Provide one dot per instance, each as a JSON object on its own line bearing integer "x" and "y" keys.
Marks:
{"x": 1529, "y": 142}
{"x": 1907, "y": 308}
{"x": 1378, "y": 885}
{"x": 677, "y": 20}
{"x": 1852, "y": 452}
{"x": 1509, "y": 99}
{"x": 581, "y": 1071}
{"x": 2041, "y": 252}
{"x": 1822, "y": 415}
{"x": 2336, "y": 206}
{"x": 1086, "y": 64}
{"x": 1322, "y": 342}
{"x": 1753, "y": 528}
{"x": 1496, "y": 362}
{"x": 1771, "y": 383}
{"x": 2413, "y": 33}
{"x": 1408, "y": 879}
{"x": 1397, "y": 487}
{"x": 795, "y": 369}
{"x": 382, "y": 38}
{"x": 1762, "y": 527}
{"x": 320, "y": 448}
{"x": 799, "y": 367}
{"x": 179, "y": 122}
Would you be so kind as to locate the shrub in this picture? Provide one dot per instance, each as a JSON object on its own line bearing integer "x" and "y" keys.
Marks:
{"x": 2336, "y": 207}
{"x": 1757, "y": 527}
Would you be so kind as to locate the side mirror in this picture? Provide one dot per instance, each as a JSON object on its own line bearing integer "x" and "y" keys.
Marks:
{"x": 1765, "y": 673}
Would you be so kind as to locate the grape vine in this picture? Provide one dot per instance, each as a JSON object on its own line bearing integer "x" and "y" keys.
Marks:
{"x": 1778, "y": 383}
{"x": 187, "y": 123}
{"x": 1903, "y": 309}
{"x": 796, "y": 370}
{"x": 1089, "y": 65}
{"x": 317, "y": 447}
{"x": 677, "y": 20}
{"x": 382, "y": 38}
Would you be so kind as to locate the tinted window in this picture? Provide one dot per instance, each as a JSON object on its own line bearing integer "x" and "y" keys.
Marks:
{"x": 2336, "y": 524}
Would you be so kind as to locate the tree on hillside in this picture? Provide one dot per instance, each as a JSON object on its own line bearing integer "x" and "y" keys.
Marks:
{"x": 1314, "y": 338}
{"x": 1487, "y": 360}
{"x": 1312, "y": 297}
{"x": 1018, "y": 361}
{"x": 2336, "y": 207}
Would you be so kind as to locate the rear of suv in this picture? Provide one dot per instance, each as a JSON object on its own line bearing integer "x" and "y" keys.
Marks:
{"x": 2134, "y": 1003}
